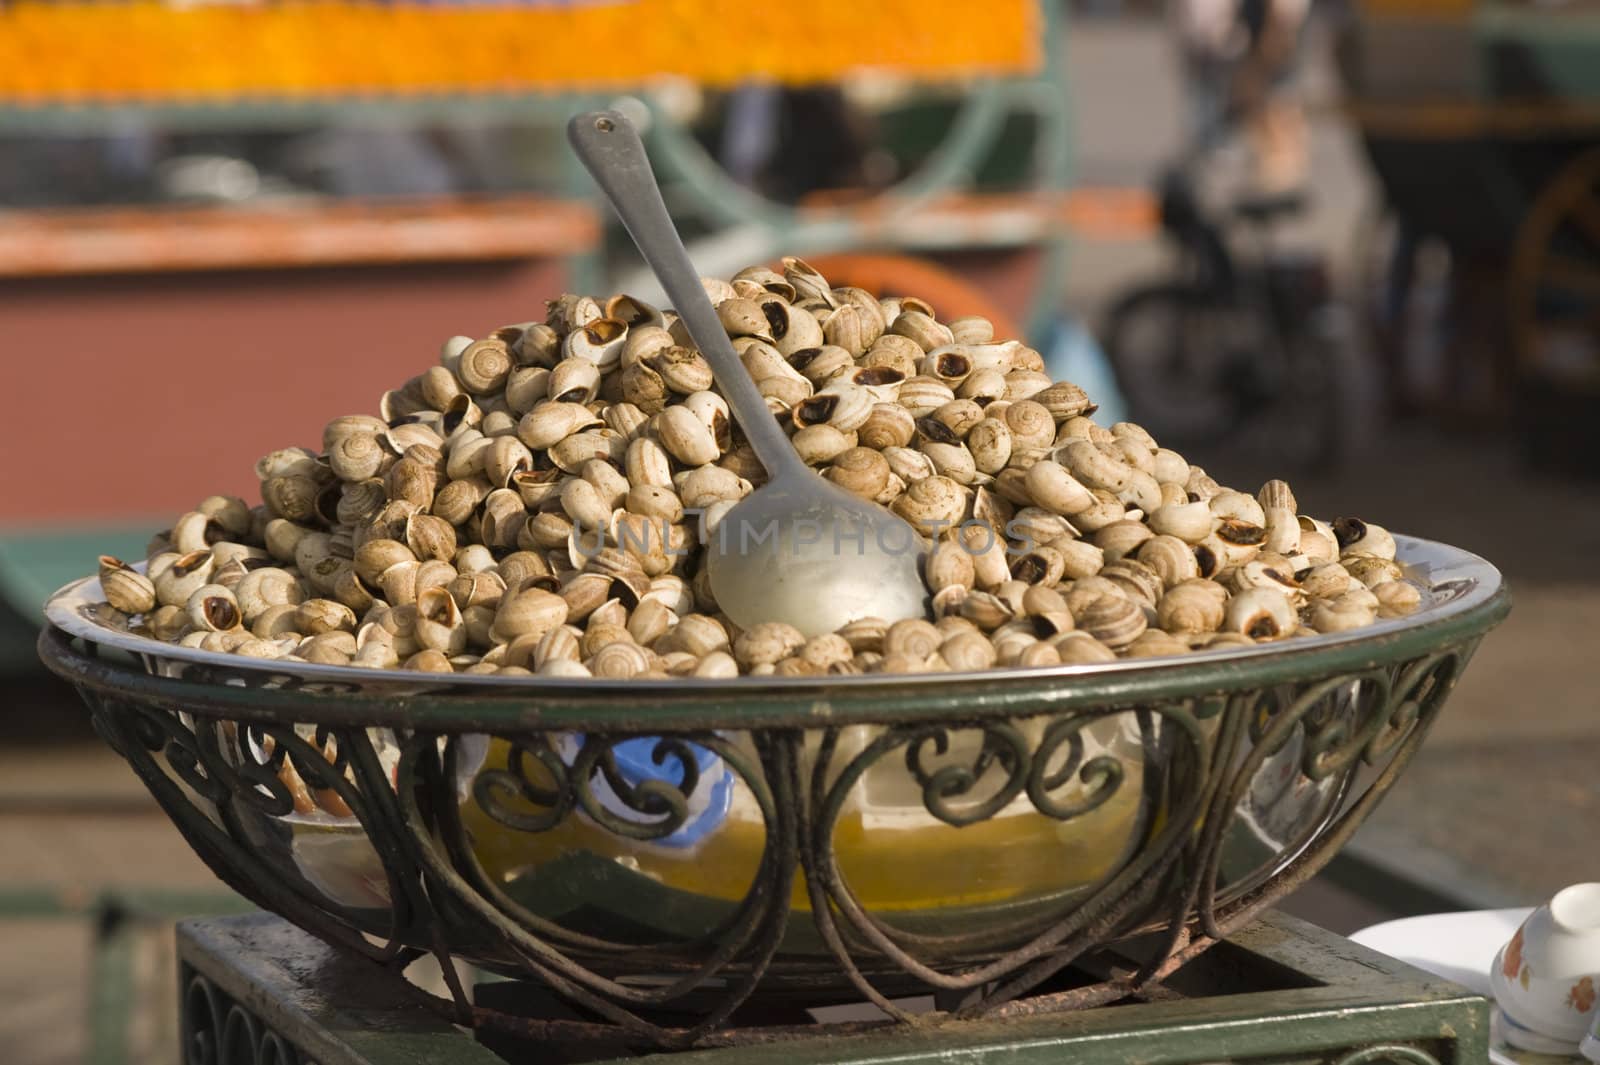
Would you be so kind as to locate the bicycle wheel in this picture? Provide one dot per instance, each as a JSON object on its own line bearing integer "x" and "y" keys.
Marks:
{"x": 1185, "y": 360}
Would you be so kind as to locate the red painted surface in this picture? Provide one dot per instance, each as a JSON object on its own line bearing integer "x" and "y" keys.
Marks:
{"x": 139, "y": 395}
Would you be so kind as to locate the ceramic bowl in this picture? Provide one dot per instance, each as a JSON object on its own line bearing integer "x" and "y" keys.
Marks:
{"x": 1546, "y": 980}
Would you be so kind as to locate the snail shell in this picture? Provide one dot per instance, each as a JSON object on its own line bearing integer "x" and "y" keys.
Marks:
{"x": 1140, "y": 582}
{"x": 711, "y": 484}
{"x": 1261, "y": 614}
{"x": 990, "y": 443}
{"x": 263, "y": 589}
{"x": 913, "y": 638}
{"x": 887, "y": 425}
{"x": 1078, "y": 648}
{"x": 860, "y": 470}
{"x": 570, "y": 454}
{"x": 1115, "y": 621}
{"x": 598, "y": 342}
{"x": 967, "y": 651}
{"x": 1341, "y": 613}
{"x": 791, "y": 328}
{"x": 896, "y": 353}
{"x": 1169, "y": 467}
{"x": 696, "y": 634}
{"x": 682, "y": 370}
{"x": 1031, "y": 425}
{"x": 986, "y": 610}
{"x": 1192, "y": 606}
{"x": 1357, "y": 537}
{"x": 1277, "y": 494}
{"x": 1189, "y": 523}
{"x": 1259, "y": 573}
{"x": 1041, "y": 566}
{"x": 125, "y": 588}
{"x": 845, "y": 407}
{"x": 686, "y": 437}
{"x": 767, "y": 644}
{"x": 951, "y": 460}
{"x": 1121, "y": 538}
{"x": 625, "y": 419}
{"x": 1095, "y": 465}
{"x": 1326, "y": 581}
{"x": 643, "y": 343}
{"x": 922, "y": 395}
{"x": 1153, "y": 643}
{"x": 846, "y": 329}
{"x": 539, "y": 345}
{"x": 644, "y": 388}
{"x": 1035, "y": 525}
{"x": 553, "y": 421}
{"x": 1051, "y": 486}
{"x": 529, "y": 611}
{"x": 804, "y": 282}
{"x": 484, "y": 366}
{"x": 180, "y": 576}
{"x": 1283, "y": 531}
{"x": 1079, "y": 558}
{"x": 633, "y": 312}
{"x": 984, "y": 386}
{"x": 955, "y": 419}
{"x": 823, "y": 364}
{"x": 526, "y": 387}
{"x": 619, "y": 660}
{"x": 1171, "y": 559}
{"x": 213, "y": 608}
{"x": 504, "y": 458}
{"x": 921, "y": 328}
{"x": 1372, "y": 570}
{"x": 573, "y": 380}
{"x": 439, "y": 626}
{"x": 909, "y": 464}
{"x": 1063, "y": 400}
{"x": 1317, "y": 541}
{"x": 987, "y": 549}
{"x": 1024, "y": 384}
{"x": 1397, "y": 598}
{"x": 357, "y": 456}
{"x": 949, "y": 564}
{"x": 932, "y": 504}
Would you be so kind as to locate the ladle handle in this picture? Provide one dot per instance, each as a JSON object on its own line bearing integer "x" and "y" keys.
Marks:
{"x": 610, "y": 149}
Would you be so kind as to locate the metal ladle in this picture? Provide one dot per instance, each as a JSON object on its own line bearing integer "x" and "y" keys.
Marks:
{"x": 799, "y": 549}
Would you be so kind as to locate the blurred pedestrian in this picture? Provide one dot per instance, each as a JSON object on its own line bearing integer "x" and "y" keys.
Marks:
{"x": 1239, "y": 59}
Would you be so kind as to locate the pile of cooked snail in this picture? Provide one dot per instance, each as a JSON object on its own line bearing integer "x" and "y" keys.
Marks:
{"x": 535, "y": 504}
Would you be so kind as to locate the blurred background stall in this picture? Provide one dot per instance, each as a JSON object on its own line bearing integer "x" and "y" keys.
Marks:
{"x": 1357, "y": 244}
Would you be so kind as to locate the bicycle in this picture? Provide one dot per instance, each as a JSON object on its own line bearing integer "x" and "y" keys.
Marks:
{"x": 1234, "y": 349}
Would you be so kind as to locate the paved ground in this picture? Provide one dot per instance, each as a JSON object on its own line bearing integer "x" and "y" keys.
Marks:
{"x": 1504, "y": 798}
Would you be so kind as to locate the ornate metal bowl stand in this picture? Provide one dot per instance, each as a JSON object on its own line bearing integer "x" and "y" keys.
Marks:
{"x": 1237, "y": 776}
{"x": 257, "y": 991}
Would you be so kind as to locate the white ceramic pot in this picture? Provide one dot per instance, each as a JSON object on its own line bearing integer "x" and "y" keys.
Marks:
{"x": 1546, "y": 980}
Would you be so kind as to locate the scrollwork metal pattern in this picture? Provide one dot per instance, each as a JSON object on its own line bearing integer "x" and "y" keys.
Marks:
{"x": 216, "y": 1030}
{"x": 1185, "y": 768}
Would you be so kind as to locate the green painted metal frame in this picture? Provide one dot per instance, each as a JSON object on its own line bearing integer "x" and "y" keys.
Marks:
{"x": 1328, "y": 1000}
